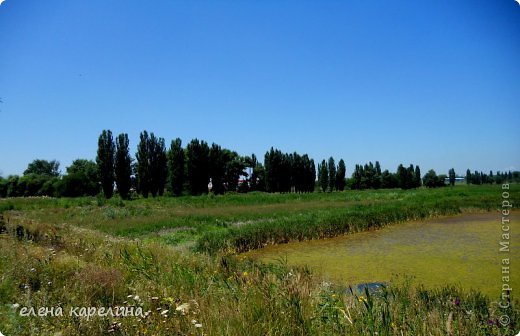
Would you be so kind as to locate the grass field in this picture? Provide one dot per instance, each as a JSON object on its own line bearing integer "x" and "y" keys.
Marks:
{"x": 177, "y": 259}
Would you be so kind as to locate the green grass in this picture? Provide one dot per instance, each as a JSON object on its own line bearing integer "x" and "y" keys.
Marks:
{"x": 92, "y": 252}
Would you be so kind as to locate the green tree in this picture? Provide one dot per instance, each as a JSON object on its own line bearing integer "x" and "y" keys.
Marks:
{"x": 377, "y": 176}
{"x": 411, "y": 177}
{"x": 3, "y": 187}
{"x": 143, "y": 164}
{"x": 277, "y": 171}
{"x": 332, "y": 174}
{"x": 151, "y": 164}
{"x": 389, "y": 180}
{"x": 323, "y": 173}
{"x": 402, "y": 175}
{"x": 356, "y": 178}
{"x": 81, "y": 180}
{"x": 123, "y": 166}
{"x": 43, "y": 167}
{"x": 197, "y": 164}
{"x": 105, "y": 162}
{"x": 430, "y": 179}
{"x": 417, "y": 177}
{"x": 311, "y": 175}
{"x": 451, "y": 175}
{"x": 176, "y": 167}
{"x": 217, "y": 168}
{"x": 12, "y": 186}
{"x": 157, "y": 165}
{"x": 38, "y": 172}
{"x": 234, "y": 168}
{"x": 340, "y": 175}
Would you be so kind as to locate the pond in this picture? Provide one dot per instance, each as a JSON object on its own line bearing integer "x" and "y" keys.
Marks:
{"x": 461, "y": 250}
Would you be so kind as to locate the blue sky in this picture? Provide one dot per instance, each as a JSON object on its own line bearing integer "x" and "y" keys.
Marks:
{"x": 434, "y": 83}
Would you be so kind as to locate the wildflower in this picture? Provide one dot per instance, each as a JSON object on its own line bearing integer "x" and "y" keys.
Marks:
{"x": 198, "y": 325}
{"x": 193, "y": 321}
{"x": 392, "y": 325}
{"x": 333, "y": 296}
{"x": 15, "y": 305}
{"x": 33, "y": 269}
{"x": 164, "y": 312}
{"x": 155, "y": 298}
{"x": 245, "y": 273}
{"x": 136, "y": 297}
{"x": 183, "y": 308}
{"x": 457, "y": 301}
{"x": 362, "y": 299}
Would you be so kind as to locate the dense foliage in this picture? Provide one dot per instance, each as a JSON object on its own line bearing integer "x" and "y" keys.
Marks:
{"x": 189, "y": 170}
{"x": 105, "y": 162}
{"x": 123, "y": 166}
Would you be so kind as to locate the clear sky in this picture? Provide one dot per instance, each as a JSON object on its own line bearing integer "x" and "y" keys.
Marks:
{"x": 434, "y": 83}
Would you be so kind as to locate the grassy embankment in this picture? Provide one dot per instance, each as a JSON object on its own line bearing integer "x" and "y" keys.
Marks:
{"x": 77, "y": 252}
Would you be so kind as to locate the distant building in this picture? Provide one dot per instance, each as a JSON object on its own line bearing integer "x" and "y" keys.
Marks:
{"x": 457, "y": 179}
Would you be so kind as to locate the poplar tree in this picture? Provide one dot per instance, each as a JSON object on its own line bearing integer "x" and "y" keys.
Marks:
{"x": 323, "y": 175}
{"x": 340, "y": 175}
{"x": 105, "y": 162}
{"x": 158, "y": 165}
{"x": 143, "y": 164}
{"x": 123, "y": 166}
{"x": 217, "y": 168}
{"x": 197, "y": 164}
{"x": 451, "y": 176}
{"x": 332, "y": 174}
{"x": 417, "y": 177}
{"x": 176, "y": 167}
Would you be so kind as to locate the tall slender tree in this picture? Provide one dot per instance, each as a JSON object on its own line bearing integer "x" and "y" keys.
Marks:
{"x": 417, "y": 177}
{"x": 143, "y": 164}
{"x": 377, "y": 180}
{"x": 451, "y": 176}
{"x": 151, "y": 164}
{"x": 197, "y": 164}
{"x": 158, "y": 165}
{"x": 217, "y": 168}
{"x": 340, "y": 175}
{"x": 332, "y": 174}
{"x": 323, "y": 173}
{"x": 176, "y": 167}
{"x": 105, "y": 162}
{"x": 123, "y": 166}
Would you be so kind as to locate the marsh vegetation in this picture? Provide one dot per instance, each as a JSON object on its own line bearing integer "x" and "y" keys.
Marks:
{"x": 178, "y": 259}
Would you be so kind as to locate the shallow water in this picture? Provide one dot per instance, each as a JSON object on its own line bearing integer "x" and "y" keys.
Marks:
{"x": 461, "y": 249}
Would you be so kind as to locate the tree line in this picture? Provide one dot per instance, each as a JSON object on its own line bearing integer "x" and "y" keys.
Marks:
{"x": 498, "y": 178}
{"x": 199, "y": 168}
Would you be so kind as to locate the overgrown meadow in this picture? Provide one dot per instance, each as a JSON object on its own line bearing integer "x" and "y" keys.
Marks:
{"x": 178, "y": 261}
